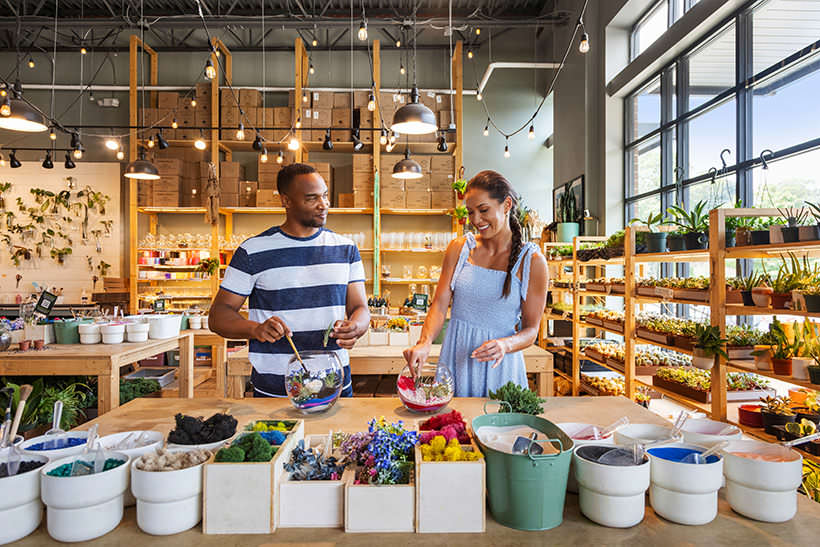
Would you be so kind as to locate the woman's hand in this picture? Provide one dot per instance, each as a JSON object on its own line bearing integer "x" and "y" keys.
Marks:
{"x": 416, "y": 356}
{"x": 491, "y": 350}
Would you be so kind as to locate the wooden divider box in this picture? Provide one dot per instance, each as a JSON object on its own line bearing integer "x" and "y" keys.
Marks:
{"x": 450, "y": 496}
{"x": 312, "y": 504}
{"x": 242, "y": 498}
{"x": 387, "y": 508}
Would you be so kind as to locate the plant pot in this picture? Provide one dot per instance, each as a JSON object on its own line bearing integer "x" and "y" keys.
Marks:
{"x": 56, "y": 453}
{"x": 655, "y": 242}
{"x": 800, "y": 367}
{"x": 113, "y": 333}
{"x": 781, "y": 301}
{"x": 770, "y": 420}
{"x": 39, "y": 344}
{"x": 764, "y": 361}
{"x": 701, "y": 360}
{"x": 20, "y": 507}
{"x": 761, "y": 296}
{"x": 791, "y": 234}
{"x": 809, "y": 233}
{"x": 814, "y": 374}
{"x": 734, "y": 296}
{"x": 674, "y": 242}
{"x": 565, "y": 231}
{"x": 759, "y": 489}
{"x": 812, "y": 302}
{"x": 609, "y": 495}
{"x": 782, "y": 367}
{"x": 775, "y": 234}
{"x": 760, "y": 237}
{"x": 803, "y": 413}
{"x": 730, "y": 238}
{"x": 25, "y": 345}
{"x": 743, "y": 237}
{"x": 137, "y": 332}
{"x": 696, "y": 240}
{"x": 749, "y": 415}
{"x": 684, "y": 342}
{"x": 747, "y": 298}
{"x": 195, "y": 322}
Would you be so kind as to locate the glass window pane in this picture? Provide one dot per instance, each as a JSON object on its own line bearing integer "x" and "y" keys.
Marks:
{"x": 644, "y": 207}
{"x": 712, "y": 68}
{"x": 651, "y": 28}
{"x": 709, "y": 133}
{"x": 721, "y": 193}
{"x": 788, "y": 182}
{"x": 785, "y": 110}
{"x": 782, "y": 27}
{"x": 645, "y": 166}
{"x": 645, "y": 109}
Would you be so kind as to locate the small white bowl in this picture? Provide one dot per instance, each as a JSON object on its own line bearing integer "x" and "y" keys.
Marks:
{"x": 571, "y": 428}
{"x": 57, "y": 453}
{"x": 195, "y": 322}
{"x": 88, "y": 328}
{"x": 704, "y": 432}
{"x": 642, "y": 433}
{"x": 164, "y": 326}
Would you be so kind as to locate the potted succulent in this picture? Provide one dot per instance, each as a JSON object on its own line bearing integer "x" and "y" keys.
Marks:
{"x": 806, "y": 337}
{"x": 675, "y": 241}
{"x": 568, "y": 225}
{"x": 460, "y": 214}
{"x": 783, "y": 350}
{"x": 760, "y": 231}
{"x": 795, "y": 217}
{"x": 747, "y": 285}
{"x": 776, "y": 411}
{"x": 811, "y": 232}
{"x": 694, "y": 224}
{"x": 762, "y": 293}
{"x": 743, "y": 230}
{"x": 742, "y": 340}
{"x": 460, "y": 185}
{"x": 810, "y": 410}
{"x": 734, "y": 290}
{"x": 708, "y": 346}
{"x": 655, "y": 242}
{"x": 814, "y": 370}
{"x": 732, "y": 224}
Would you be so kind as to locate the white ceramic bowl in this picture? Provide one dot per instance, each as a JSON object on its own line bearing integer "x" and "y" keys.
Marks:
{"x": 195, "y": 322}
{"x": 153, "y": 439}
{"x": 90, "y": 338}
{"x": 690, "y": 509}
{"x": 164, "y": 326}
{"x": 208, "y": 446}
{"x": 704, "y": 432}
{"x": 205, "y": 322}
{"x": 571, "y": 428}
{"x": 138, "y": 327}
{"x": 137, "y": 336}
{"x": 611, "y": 495}
{"x": 112, "y": 328}
{"x": 641, "y": 433}
{"x": 85, "y": 507}
{"x": 168, "y": 502}
{"x": 113, "y": 338}
{"x": 21, "y": 510}
{"x": 55, "y": 454}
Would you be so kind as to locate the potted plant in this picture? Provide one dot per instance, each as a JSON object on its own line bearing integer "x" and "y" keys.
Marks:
{"x": 814, "y": 370}
{"x": 811, "y": 232}
{"x": 734, "y": 290}
{"x": 762, "y": 293}
{"x": 694, "y": 224}
{"x": 654, "y": 241}
{"x": 746, "y": 285}
{"x": 810, "y": 410}
{"x": 760, "y": 231}
{"x": 568, "y": 225}
{"x": 460, "y": 214}
{"x": 732, "y": 224}
{"x": 675, "y": 241}
{"x": 805, "y": 337}
{"x": 743, "y": 230}
{"x": 742, "y": 340}
{"x": 783, "y": 350}
{"x": 460, "y": 187}
{"x": 795, "y": 217}
{"x": 776, "y": 411}
{"x": 209, "y": 265}
{"x": 708, "y": 345}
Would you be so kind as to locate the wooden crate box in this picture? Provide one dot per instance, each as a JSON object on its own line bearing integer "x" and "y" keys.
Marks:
{"x": 450, "y": 496}
{"x": 388, "y": 508}
{"x": 241, "y": 498}
{"x": 312, "y": 504}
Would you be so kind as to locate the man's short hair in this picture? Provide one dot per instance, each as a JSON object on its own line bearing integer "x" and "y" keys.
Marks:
{"x": 290, "y": 172}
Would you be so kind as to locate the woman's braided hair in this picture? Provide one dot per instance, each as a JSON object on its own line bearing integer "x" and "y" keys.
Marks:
{"x": 500, "y": 189}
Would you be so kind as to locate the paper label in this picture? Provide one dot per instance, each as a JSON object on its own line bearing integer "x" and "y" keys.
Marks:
{"x": 565, "y": 315}
{"x": 315, "y": 95}
{"x": 438, "y": 98}
{"x": 665, "y": 293}
{"x": 315, "y": 114}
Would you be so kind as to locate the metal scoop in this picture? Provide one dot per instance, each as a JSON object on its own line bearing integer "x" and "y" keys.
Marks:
{"x": 801, "y": 440}
{"x": 701, "y": 457}
{"x": 55, "y": 430}
{"x": 525, "y": 445}
{"x": 81, "y": 466}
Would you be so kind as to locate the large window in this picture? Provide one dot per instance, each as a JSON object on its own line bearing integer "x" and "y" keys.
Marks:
{"x": 696, "y": 130}
{"x": 655, "y": 21}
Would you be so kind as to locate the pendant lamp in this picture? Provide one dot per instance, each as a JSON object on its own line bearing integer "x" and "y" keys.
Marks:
{"x": 407, "y": 168}
{"x": 142, "y": 169}
{"x": 21, "y": 115}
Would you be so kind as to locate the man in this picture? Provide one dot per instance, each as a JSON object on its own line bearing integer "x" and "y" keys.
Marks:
{"x": 300, "y": 278}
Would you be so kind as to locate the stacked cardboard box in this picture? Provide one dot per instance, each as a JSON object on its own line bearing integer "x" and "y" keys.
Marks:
{"x": 442, "y": 169}
{"x": 362, "y": 195}
{"x": 230, "y": 175}
{"x": 247, "y": 193}
{"x": 268, "y": 198}
{"x": 341, "y": 117}
{"x": 282, "y": 121}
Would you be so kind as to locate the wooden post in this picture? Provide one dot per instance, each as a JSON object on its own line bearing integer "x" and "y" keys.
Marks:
{"x": 298, "y": 63}
{"x": 457, "y": 100}
{"x": 377, "y": 123}
{"x": 576, "y": 320}
{"x": 717, "y": 287}
{"x": 629, "y": 313}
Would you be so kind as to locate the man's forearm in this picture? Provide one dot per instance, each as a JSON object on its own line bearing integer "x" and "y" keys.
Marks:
{"x": 228, "y": 323}
{"x": 361, "y": 316}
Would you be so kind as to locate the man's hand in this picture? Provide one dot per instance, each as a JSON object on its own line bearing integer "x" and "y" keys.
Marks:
{"x": 346, "y": 332}
{"x": 273, "y": 329}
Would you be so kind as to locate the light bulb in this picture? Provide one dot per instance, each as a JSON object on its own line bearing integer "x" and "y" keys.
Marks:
{"x": 298, "y": 123}
{"x": 193, "y": 101}
{"x": 120, "y": 154}
{"x": 392, "y": 138}
{"x": 486, "y": 131}
{"x": 2, "y": 161}
{"x": 469, "y": 53}
{"x": 398, "y": 43}
{"x": 402, "y": 70}
{"x": 199, "y": 144}
{"x": 5, "y": 109}
{"x": 293, "y": 144}
{"x": 30, "y": 62}
{"x": 583, "y": 47}
{"x": 383, "y": 137}
{"x": 371, "y": 103}
{"x": 150, "y": 142}
{"x": 315, "y": 42}
{"x": 174, "y": 124}
{"x": 389, "y": 147}
{"x": 280, "y": 157}
{"x": 311, "y": 69}
{"x": 264, "y": 157}
{"x": 78, "y": 153}
{"x": 210, "y": 70}
{"x": 83, "y": 51}
{"x": 304, "y": 96}
{"x": 531, "y": 133}
{"x": 478, "y": 31}
{"x": 240, "y": 133}
{"x": 3, "y": 92}
{"x": 363, "y": 31}
{"x": 506, "y": 151}
{"x": 52, "y": 135}
{"x": 112, "y": 144}
{"x": 478, "y": 96}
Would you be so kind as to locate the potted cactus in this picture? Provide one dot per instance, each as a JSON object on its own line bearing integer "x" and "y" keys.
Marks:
{"x": 795, "y": 217}
{"x": 568, "y": 226}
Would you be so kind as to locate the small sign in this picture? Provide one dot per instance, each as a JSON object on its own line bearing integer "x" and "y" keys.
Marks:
{"x": 159, "y": 305}
{"x": 45, "y": 303}
{"x": 419, "y": 301}
{"x": 665, "y": 293}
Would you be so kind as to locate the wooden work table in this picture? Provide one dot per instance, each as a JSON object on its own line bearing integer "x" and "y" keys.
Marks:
{"x": 351, "y": 415}
{"x": 389, "y": 360}
{"x": 101, "y": 360}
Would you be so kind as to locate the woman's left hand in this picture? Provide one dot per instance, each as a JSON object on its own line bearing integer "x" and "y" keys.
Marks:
{"x": 491, "y": 350}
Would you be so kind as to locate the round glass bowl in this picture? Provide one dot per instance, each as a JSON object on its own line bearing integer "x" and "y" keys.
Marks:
{"x": 432, "y": 391}
{"x": 318, "y": 388}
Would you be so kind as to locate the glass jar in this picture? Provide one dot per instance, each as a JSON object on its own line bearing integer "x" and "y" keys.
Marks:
{"x": 315, "y": 386}
{"x": 432, "y": 391}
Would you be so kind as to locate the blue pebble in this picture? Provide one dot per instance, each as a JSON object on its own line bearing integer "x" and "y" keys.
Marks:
{"x": 59, "y": 444}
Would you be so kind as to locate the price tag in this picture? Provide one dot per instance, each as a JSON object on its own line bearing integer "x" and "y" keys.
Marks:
{"x": 45, "y": 303}
{"x": 665, "y": 293}
{"x": 565, "y": 315}
{"x": 608, "y": 288}
{"x": 159, "y": 305}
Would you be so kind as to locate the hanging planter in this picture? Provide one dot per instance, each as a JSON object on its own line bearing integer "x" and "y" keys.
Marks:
{"x": 460, "y": 214}
{"x": 460, "y": 185}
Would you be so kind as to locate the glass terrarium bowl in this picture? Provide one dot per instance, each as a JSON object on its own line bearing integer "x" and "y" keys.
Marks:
{"x": 433, "y": 391}
{"x": 317, "y": 389}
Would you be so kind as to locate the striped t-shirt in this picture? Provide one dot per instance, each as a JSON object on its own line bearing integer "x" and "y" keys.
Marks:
{"x": 302, "y": 280}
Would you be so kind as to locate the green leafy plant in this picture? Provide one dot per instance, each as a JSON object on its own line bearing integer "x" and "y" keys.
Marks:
{"x": 650, "y": 221}
{"x": 777, "y": 405}
{"x": 73, "y": 397}
{"x": 743, "y": 335}
{"x": 707, "y": 339}
{"x": 811, "y": 480}
{"x": 520, "y": 399}
{"x": 814, "y": 209}
{"x": 690, "y": 222}
{"x": 460, "y": 186}
{"x": 459, "y": 213}
{"x": 209, "y": 265}
{"x": 794, "y": 216}
{"x": 133, "y": 389}
{"x": 31, "y": 413}
{"x": 567, "y": 208}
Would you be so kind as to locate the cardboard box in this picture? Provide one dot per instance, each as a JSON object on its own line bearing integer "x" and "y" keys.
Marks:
{"x": 168, "y": 167}
{"x": 231, "y": 170}
{"x": 203, "y": 91}
{"x": 202, "y": 118}
{"x": 388, "y": 181}
{"x": 363, "y": 163}
{"x": 247, "y": 193}
{"x": 363, "y": 198}
{"x": 322, "y": 119}
{"x": 168, "y": 183}
{"x": 442, "y": 163}
{"x": 345, "y": 200}
{"x": 228, "y": 200}
{"x": 322, "y": 100}
{"x": 365, "y": 122}
{"x": 230, "y": 120}
{"x": 250, "y": 98}
{"x": 282, "y": 121}
{"x": 341, "y": 99}
{"x": 229, "y": 185}
{"x": 442, "y": 200}
{"x": 443, "y": 102}
{"x": 268, "y": 120}
{"x": 392, "y": 198}
{"x": 428, "y": 99}
{"x": 441, "y": 181}
{"x": 417, "y": 199}
{"x": 268, "y": 198}
{"x": 165, "y": 198}
{"x": 443, "y": 119}
{"x": 362, "y": 180}
{"x": 226, "y": 98}
{"x": 167, "y": 99}
{"x": 424, "y": 161}
{"x": 341, "y": 117}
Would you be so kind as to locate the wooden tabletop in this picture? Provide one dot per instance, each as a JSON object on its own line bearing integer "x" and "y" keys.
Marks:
{"x": 728, "y": 528}
{"x": 93, "y": 351}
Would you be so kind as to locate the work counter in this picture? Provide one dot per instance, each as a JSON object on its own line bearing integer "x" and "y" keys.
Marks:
{"x": 352, "y": 415}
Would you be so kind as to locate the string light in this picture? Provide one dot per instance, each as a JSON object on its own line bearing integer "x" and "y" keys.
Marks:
{"x": 257, "y": 142}
{"x": 507, "y": 148}
{"x": 210, "y": 71}
{"x": 371, "y": 102}
{"x": 311, "y": 69}
{"x": 402, "y": 70}
{"x": 174, "y": 124}
{"x": 398, "y": 42}
{"x": 78, "y": 152}
{"x": 51, "y": 134}
{"x": 389, "y": 147}
{"x": 240, "y": 132}
{"x": 293, "y": 144}
{"x": 531, "y": 133}
{"x": 299, "y": 122}
{"x": 31, "y": 62}
{"x": 304, "y": 96}
{"x": 362, "y": 34}
{"x": 478, "y": 96}
{"x": 393, "y": 137}
{"x": 150, "y": 142}
{"x": 193, "y": 100}
{"x": 2, "y": 161}
{"x": 583, "y": 46}
{"x": 486, "y": 131}
{"x": 315, "y": 42}
{"x": 120, "y": 154}
{"x": 469, "y": 53}
{"x": 199, "y": 143}
{"x": 383, "y": 137}
{"x": 112, "y": 144}
{"x": 3, "y": 92}
{"x": 264, "y": 157}
{"x": 83, "y": 51}
{"x": 280, "y": 157}
{"x": 5, "y": 109}
{"x": 478, "y": 31}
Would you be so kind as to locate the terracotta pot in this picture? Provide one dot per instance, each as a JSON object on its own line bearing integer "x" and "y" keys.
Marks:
{"x": 781, "y": 301}
{"x": 25, "y": 345}
{"x": 782, "y": 367}
{"x": 761, "y": 296}
{"x": 733, "y": 296}
{"x": 462, "y": 221}
{"x": 743, "y": 237}
{"x": 750, "y": 415}
{"x": 39, "y": 344}
{"x": 460, "y": 195}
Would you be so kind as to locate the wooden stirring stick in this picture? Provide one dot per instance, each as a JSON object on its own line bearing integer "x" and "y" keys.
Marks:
{"x": 297, "y": 353}
{"x": 25, "y": 391}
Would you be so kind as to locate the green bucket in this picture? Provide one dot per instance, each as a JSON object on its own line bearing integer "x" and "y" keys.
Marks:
{"x": 526, "y": 491}
{"x": 67, "y": 332}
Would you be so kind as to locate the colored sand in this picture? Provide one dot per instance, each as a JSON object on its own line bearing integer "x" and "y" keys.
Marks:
{"x": 678, "y": 454}
{"x": 273, "y": 437}
{"x": 24, "y": 468}
{"x": 762, "y": 457}
{"x": 58, "y": 444}
{"x": 607, "y": 455}
{"x": 65, "y": 469}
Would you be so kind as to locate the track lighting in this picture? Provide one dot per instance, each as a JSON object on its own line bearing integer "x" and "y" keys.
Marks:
{"x": 507, "y": 148}
{"x": 257, "y": 142}
{"x": 47, "y": 163}
{"x": 478, "y": 96}
{"x": 280, "y": 157}
{"x": 371, "y": 103}
{"x": 583, "y": 46}
{"x": 531, "y": 133}
{"x": 293, "y": 144}
{"x": 120, "y": 154}
{"x": 327, "y": 144}
{"x": 31, "y": 62}
{"x": 442, "y": 143}
{"x": 162, "y": 144}
{"x": 240, "y": 132}
{"x": 141, "y": 169}
{"x": 199, "y": 143}
{"x": 210, "y": 71}
{"x": 78, "y": 152}
{"x": 469, "y": 53}
{"x": 69, "y": 163}
{"x": 264, "y": 157}
{"x": 357, "y": 142}
{"x": 14, "y": 163}
{"x": 383, "y": 137}
{"x": 486, "y": 131}
{"x": 174, "y": 123}
{"x": 51, "y": 134}
{"x": 112, "y": 144}
{"x": 362, "y": 34}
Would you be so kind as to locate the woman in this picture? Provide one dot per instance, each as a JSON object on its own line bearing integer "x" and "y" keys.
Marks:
{"x": 497, "y": 284}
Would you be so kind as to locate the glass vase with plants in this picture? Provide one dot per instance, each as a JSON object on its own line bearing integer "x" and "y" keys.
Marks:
{"x": 693, "y": 224}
